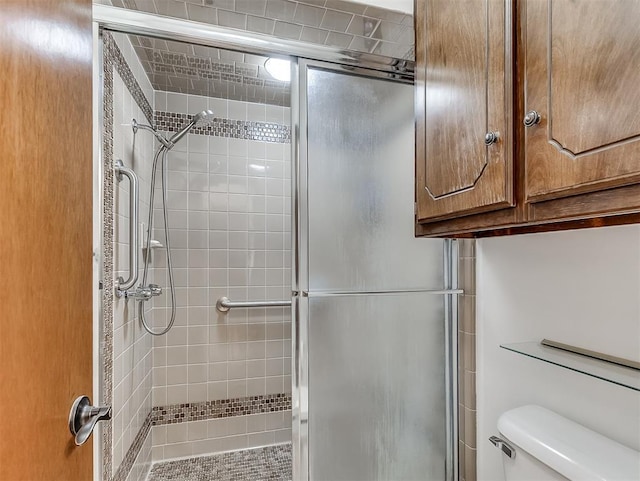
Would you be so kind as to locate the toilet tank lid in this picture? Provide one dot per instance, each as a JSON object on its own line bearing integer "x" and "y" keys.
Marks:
{"x": 568, "y": 447}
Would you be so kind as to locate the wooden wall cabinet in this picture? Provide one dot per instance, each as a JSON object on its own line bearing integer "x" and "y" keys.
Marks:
{"x": 570, "y": 71}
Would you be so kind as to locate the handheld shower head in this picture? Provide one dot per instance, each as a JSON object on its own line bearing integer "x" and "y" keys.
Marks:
{"x": 200, "y": 119}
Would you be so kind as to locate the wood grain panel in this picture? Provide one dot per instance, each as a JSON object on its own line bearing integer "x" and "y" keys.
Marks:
{"x": 455, "y": 95}
{"x": 463, "y": 57}
{"x": 582, "y": 76}
{"x": 45, "y": 235}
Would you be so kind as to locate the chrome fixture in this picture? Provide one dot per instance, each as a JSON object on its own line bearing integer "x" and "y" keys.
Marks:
{"x": 201, "y": 119}
{"x": 146, "y": 292}
{"x": 224, "y": 304}
{"x": 531, "y": 118}
{"x": 600, "y": 356}
{"x": 120, "y": 170}
{"x": 135, "y": 125}
{"x": 83, "y": 417}
{"x": 490, "y": 138}
{"x": 505, "y": 447}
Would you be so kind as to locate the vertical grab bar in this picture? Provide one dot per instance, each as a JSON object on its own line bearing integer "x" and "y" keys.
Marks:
{"x": 120, "y": 170}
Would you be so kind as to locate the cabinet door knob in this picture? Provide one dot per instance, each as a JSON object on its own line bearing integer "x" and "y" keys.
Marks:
{"x": 490, "y": 138}
{"x": 531, "y": 118}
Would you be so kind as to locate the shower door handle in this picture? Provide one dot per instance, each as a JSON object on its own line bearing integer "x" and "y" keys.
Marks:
{"x": 83, "y": 417}
{"x": 121, "y": 171}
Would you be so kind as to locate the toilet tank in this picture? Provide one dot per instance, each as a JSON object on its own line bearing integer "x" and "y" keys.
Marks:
{"x": 551, "y": 447}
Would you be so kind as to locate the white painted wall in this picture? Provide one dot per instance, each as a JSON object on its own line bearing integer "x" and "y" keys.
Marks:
{"x": 578, "y": 287}
{"x": 405, "y": 6}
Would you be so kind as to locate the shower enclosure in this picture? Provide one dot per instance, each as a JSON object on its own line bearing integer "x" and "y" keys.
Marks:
{"x": 308, "y": 334}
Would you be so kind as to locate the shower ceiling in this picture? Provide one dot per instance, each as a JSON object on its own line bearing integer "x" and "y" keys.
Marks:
{"x": 351, "y": 26}
{"x": 207, "y": 71}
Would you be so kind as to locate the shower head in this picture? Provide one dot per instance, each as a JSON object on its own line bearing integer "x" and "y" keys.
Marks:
{"x": 203, "y": 118}
{"x": 200, "y": 119}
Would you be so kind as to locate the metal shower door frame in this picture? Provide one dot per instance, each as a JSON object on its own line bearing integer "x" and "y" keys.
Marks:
{"x": 300, "y": 281}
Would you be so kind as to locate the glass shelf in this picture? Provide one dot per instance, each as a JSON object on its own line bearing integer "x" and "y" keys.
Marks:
{"x": 607, "y": 371}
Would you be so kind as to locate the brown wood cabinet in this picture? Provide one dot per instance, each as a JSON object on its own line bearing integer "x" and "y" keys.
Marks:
{"x": 566, "y": 154}
{"x": 462, "y": 100}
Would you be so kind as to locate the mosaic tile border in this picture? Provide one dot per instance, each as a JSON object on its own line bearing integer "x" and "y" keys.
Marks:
{"x": 236, "y": 129}
{"x": 134, "y": 450}
{"x": 118, "y": 61}
{"x": 222, "y": 408}
{"x": 108, "y": 56}
{"x": 273, "y": 463}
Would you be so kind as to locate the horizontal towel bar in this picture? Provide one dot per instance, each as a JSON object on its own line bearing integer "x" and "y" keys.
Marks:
{"x": 224, "y": 304}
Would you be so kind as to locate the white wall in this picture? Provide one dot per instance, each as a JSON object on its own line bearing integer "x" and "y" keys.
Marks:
{"x": 578, "y": 287}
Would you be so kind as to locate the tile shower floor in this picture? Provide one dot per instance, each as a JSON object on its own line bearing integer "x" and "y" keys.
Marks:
{"x": 272, "y": 463}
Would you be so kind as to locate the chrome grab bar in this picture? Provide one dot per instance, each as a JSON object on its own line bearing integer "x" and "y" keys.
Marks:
{"x": 224, "y": 304}
{"x": 120, "y": 170}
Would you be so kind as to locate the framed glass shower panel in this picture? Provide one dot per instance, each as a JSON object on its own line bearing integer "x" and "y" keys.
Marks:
{"x": 377, "y": 387}
{"x": 359, "y": 150}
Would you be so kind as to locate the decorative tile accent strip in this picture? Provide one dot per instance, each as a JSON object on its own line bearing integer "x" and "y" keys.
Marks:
{"x": 123, "y": 69}
{"x": 237, "y": 129}
{"x": 107, "y": 251}
{"x": 222, "y": 408}
{"x": 273, "y": 463}
{"x": 134, "y": 450}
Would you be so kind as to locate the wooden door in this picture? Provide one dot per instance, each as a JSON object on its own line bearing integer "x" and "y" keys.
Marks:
{"x": 45, "y": 236}
{"x": 463, "y": 92}
{"x": 582, "y": 75}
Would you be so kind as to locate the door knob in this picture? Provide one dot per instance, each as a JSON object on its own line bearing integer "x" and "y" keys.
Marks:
{"x": 83, "y": 418}
{"x": 531, "y": 118}
{"x": 490, "y": 138}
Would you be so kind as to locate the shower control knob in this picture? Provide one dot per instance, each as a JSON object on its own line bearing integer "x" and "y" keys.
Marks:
{"x": 490, "y": 138}
{"x": 531, "y": 118}
{"x": 144, "y": 293}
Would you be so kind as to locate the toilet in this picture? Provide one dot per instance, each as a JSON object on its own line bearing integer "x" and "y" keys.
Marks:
{"x": 540, "y": 445}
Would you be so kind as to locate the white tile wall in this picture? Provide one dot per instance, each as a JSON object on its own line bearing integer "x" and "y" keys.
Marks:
{"x": 229, "y": 216}
{"x": 216, "y": 435}
{"x": 132, "y": 356}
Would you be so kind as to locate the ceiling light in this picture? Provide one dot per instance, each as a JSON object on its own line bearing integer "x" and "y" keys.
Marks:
{"x": 279, "y": 69}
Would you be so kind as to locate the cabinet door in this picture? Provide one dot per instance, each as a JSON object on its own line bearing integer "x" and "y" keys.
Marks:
{"x": 582, "y": 75}
{"x": 463, "y": 92}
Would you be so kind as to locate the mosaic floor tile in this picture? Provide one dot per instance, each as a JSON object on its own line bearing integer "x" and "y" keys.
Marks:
{"x": 272, "y": 463}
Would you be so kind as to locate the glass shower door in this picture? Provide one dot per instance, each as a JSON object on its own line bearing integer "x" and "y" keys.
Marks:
{"x": 376, "y": 388}
{"x": 374, "y": 364}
